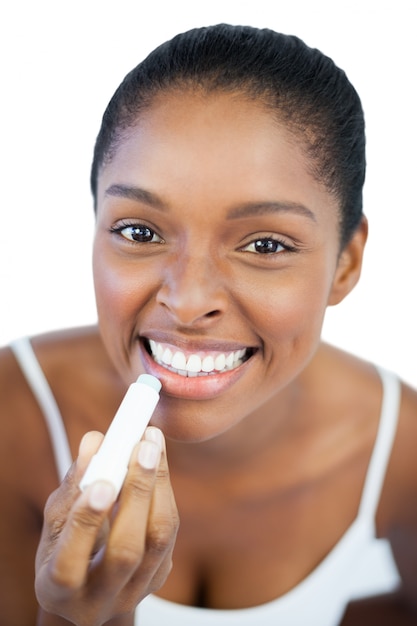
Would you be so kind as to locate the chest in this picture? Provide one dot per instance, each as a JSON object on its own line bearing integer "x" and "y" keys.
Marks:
{"x": 240, "y": 547}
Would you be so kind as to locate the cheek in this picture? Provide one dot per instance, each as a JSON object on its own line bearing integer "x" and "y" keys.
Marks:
{"x": 120, "y": 291}
{"x": 291, "y": 308}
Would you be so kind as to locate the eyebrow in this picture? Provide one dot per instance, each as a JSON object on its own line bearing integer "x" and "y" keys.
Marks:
{"x": 251, "y": 209}
{"x": 136, "y": 193}
{"x": 248, "y": 209}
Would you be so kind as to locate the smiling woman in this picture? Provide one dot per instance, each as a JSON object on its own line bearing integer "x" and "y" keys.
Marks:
{"x": 227, "y": 179}
{"x": 231, "y": 190}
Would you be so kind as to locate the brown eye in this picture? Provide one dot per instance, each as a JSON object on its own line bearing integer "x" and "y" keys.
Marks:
{"x": 266, "y": 245}
{"x": 137, "y": 233}
{"x": 141, "y": 234}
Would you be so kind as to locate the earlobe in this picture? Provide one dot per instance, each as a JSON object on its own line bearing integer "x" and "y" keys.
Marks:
{"x": 349, "y": 265}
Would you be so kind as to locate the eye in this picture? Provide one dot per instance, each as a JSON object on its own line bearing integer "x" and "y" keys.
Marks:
{"x": 266, "y": 245}
{"x": 137, "y": 233}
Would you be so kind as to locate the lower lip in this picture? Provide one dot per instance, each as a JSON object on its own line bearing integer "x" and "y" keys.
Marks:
{"x": 195, "y": 387}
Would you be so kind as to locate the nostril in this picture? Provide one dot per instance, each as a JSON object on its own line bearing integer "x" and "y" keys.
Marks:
{"x": 212, "y": 313}
{"x": 191, "y": 301}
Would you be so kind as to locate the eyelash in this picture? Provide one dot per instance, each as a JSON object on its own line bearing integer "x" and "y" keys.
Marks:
{"x": 263, "y": 241}
{"x": 118, "y": 230}
{"x": 276, "y": 241}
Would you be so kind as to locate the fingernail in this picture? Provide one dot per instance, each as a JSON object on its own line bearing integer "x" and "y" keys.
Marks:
{"x": 85, "y": 444}
{"x": 101, "y": 495}
{"x": 154, "y": 434}
{"x": 148, "y": 454}
{"x": 89, "y": 443}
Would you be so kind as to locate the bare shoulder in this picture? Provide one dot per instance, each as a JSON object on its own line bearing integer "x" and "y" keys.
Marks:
{"x": 400, "y": 491}
{"x": 360, "y": 380}
{"x": 348, "y": 384}
{"x": 28, "y": 476}
{"x": 354, "y": 388}
{"x": 362, "y": 383}
{"x": 76, "y": 367}
{"x": 407, "y": 431}
{"x": 82, "y": 380}
{"x": 21, "y": 432}
{"x": 61, "y": 354}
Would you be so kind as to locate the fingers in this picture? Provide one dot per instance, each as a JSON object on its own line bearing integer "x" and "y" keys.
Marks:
{"x": 163, "y": 523}
{"x": 89, "y": 445}
{"x": 143, "y": 534}
{"x": 73, "y": 522}
{"x": 78, "y": 540}
{"x": 163, "y": 517}
{"x": 127, "y": 541}
{"x": 61, "y": 500}
{"x": 75, "y": 564}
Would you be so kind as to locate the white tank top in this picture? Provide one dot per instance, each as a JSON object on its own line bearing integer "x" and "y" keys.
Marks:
{"x": 358, "y": 566}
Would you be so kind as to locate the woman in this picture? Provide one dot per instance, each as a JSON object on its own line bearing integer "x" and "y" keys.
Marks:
{"x": 227, "y": 179}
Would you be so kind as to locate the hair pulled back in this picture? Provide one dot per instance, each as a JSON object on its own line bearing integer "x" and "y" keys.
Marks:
{"x": 301, "y": 86}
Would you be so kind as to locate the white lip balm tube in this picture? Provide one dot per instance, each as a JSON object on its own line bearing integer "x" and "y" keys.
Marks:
{"x": 128, "y": 425}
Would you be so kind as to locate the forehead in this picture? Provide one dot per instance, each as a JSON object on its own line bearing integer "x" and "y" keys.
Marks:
{"x": 215, "y": 123}
{"x": 219, "y": 142}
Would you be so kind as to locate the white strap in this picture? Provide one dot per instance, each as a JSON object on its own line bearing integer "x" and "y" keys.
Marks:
{"x": 391, "y": 398}
{"x": 35, "y": 377}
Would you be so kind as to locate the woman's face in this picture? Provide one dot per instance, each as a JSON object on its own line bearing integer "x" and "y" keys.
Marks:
{"x": 215, "y": 257}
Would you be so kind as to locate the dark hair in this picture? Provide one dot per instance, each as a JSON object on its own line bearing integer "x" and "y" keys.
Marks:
{"x": 302, "y": 86}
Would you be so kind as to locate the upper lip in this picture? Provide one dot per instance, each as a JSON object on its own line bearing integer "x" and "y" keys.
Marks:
{"x": 193, "y": 345}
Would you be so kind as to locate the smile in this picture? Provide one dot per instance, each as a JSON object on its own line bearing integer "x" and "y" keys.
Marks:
{"x": 197, "y": 363}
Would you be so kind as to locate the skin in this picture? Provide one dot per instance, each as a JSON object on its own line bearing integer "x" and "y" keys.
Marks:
{"x": 267, "y": 461}
{"x": 212, "y": 297}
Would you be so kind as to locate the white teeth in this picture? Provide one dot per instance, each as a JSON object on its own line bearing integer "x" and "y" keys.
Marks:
{"x": 230, "y": 359}
{"x": 220, "y": 362}
{"x": 207, "y": 364}
{"x": 167, "y": 356}
{"x": 178, "y": 361}
{"x": 194, "y": 364}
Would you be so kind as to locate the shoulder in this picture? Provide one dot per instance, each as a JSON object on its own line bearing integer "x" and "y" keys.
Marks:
{"x": 82, "y": 381}
{"x": 347, "y": 384}
{"x": 27, "y": 464}
{"x": 400, "y": 491}
{"x": 63, "y": 356}
{"x": 360, "y": 380}
{"x": 363, "y": 389}
{"x": 354, "y": 389}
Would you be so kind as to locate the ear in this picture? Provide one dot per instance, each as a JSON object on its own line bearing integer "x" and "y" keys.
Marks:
{"x": 349, "y": 266}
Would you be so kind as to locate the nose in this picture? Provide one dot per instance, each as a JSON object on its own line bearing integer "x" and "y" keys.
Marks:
{"x": 193, "y": 291}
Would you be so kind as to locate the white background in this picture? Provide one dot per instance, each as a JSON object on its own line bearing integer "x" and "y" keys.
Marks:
{"x": 61, "y": 62}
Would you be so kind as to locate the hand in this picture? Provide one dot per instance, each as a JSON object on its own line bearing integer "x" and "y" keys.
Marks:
{"x": 98, "y": 559}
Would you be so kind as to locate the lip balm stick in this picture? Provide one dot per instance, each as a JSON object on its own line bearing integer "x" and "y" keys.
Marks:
{"x": 128, "y": 425}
